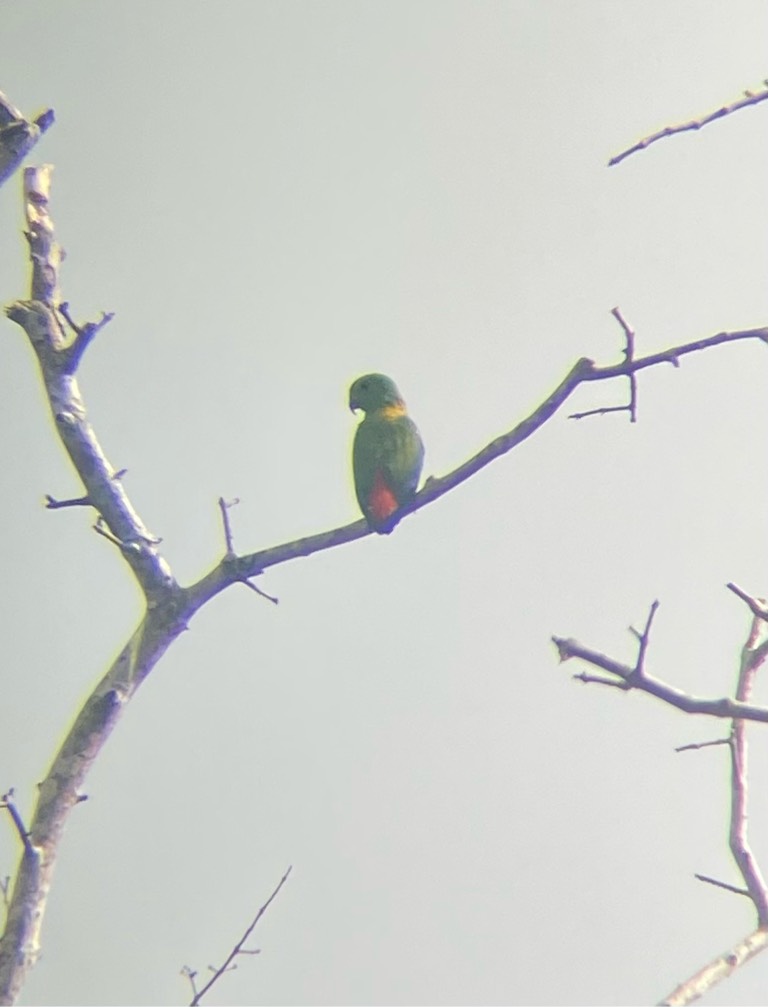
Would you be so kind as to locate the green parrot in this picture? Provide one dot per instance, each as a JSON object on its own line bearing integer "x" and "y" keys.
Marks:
{"x": 387, "y": 454}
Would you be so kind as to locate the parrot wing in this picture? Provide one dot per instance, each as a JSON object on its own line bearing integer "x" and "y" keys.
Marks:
{"x": 386, "y": 460}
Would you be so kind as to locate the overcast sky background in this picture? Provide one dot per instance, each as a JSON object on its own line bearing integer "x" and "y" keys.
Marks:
{"x": 274, "y": 198}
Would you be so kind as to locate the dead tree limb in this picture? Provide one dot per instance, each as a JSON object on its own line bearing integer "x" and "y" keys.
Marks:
{"x": 740, "y": 711}
{"x": 59, "y": 345}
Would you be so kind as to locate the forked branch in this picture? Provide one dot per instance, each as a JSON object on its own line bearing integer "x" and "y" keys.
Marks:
{"x": 636, "y": 677}
{"x": 229, "y": 963}
{"x": 740, "y": 710}
{"x": 752, "y": 656}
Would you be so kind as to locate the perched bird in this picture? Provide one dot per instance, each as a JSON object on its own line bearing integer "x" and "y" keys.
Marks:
{"x": 387, "y": 454}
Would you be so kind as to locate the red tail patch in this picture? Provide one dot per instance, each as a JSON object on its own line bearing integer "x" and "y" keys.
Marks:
{"x": 382, "y": 501}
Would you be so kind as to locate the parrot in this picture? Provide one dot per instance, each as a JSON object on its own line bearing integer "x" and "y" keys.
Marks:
{"x": 387, "y": 454}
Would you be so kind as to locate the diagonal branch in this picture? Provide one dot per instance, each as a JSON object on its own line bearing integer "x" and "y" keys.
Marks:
{"x": 716, "y": 971}
{"x": 757, "y": 606}
{"x": 231, "y": 569}
{"x": 238, "y": 949}
{"x": 60, "y": 791}
{"x": 750, "y": 98}
{"x": 721, "y": 884}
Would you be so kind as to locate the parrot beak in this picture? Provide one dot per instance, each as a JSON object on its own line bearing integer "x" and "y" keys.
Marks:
{"x": 353, "y": 404}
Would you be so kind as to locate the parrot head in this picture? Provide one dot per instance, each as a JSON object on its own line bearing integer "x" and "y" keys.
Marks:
{"x": 372, "y": 392}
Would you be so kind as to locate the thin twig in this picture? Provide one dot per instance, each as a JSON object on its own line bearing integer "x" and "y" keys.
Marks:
{"x": 64, "y": 312}
{"x": 644, "y": 637}
{"x": 84, "y": 335}
{"x": 52, "y": 503}
{"x": 268, "y": 597}
{"x": 100, "y": 527}
{"x": 600, "y": 411}
{"x": 750, "y": 98}
{"x": 7, "y": 802}
{"x": 229, "y": 555}
{"x": 629, "y": 356}
{"x": 588, "y": 679}
{"x": 721, "y": 884}
{"x": 224, "y": 506}
{"x": 236, "y": 950}
{"x": 696, "y": 745}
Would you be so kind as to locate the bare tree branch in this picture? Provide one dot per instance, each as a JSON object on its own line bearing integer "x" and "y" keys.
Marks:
{"x": 637, "y": 678}
{"x": 229, "y": 554}
{"x": 721, "y": 968}
{"x": 696, "y": 746}
{"x": 7, "y": 802}
{"x": 750, "y": 98}
{"x": 584, "y": 370}
{"x": 84, "y": 334}
{"x": 260, "y": 593}
{"x": 721, "y": 884}
{"x": 51, "y": 503}
{"x": 224, "y": 507}
{"x": 237, "y": 950}
{"x": 753, "y": 655}
{"x": 57, "y": 355}
{"x": 629, "y": 356}
{"x": 169, "y": 606}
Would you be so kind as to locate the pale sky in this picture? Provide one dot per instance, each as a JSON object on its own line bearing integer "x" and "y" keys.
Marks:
{"x": 274, "y": 198}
